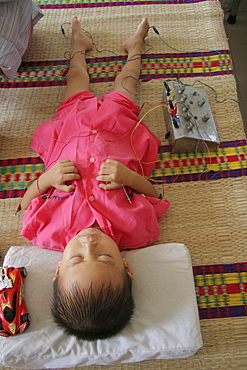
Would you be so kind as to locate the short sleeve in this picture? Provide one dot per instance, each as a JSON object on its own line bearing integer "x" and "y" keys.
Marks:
{"x": 160, "y": 206}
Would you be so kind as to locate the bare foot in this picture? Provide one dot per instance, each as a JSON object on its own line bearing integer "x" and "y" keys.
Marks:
{"x": 80, "y": 40}
{"x": 137, "y": 38}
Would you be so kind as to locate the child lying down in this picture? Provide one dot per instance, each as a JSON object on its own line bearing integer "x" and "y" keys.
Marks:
{"x": 94, "y": 199}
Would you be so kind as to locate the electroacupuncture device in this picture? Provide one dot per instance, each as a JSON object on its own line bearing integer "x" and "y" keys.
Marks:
{"x": 189, "y": 119}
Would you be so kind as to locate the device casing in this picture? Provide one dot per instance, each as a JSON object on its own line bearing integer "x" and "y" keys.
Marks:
{"x": 189, "y": 119}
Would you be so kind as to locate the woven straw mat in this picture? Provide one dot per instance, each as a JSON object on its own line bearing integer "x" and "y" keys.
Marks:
{"x": 208, "y": 212}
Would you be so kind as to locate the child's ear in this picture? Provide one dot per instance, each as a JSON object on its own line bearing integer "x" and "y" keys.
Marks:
{"x": 57, "y": 271}
{"x": 128, "y": 269}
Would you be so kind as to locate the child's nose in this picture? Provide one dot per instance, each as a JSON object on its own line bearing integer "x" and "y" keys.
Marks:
{"x": 89, "y": 244}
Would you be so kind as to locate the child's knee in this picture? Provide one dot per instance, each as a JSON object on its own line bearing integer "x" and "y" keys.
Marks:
{"x": 76, "y": 72}
{"x": 130, "y": 74}
{"x": 127, "y": 81}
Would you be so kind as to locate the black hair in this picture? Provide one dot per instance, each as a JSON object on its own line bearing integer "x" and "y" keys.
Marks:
{"x": 93, "y": 313}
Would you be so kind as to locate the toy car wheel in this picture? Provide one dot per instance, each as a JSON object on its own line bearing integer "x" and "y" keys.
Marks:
{"x": 23, "y": 271}
{"x": 25, "y": 318}
{"x": 1, "y": 326}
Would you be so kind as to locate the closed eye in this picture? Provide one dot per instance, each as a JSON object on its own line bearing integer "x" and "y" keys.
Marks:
{"x": 80, "y": 256}
{"x": 76, "y": 255}
{"x": 105, "y": 254}
{"x": 103, "y": 258}
{"x": 106, "y": 258}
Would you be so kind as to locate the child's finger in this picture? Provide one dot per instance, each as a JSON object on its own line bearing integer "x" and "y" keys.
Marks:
{"x": 66, "y": 162}
{"x": 104, "y": 169}
{"x": 66, "y": 188}
{"x": 71, "y": 176}
{"x": 103, "y": 178}
{"x": 68, "y": 167}
{"x": 108, "y": 164}
{"x": 109, "y": 186}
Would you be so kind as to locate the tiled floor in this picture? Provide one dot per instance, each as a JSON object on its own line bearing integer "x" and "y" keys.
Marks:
{"x": 237, "y": 34}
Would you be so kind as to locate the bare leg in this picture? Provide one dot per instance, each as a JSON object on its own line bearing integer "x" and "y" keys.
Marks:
{"x": 127, "y": 80}
{"x": 77, "y": 77}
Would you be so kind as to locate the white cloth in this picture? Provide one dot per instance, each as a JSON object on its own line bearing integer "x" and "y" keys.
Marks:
{"x": 17, "y": 18}
{"x": 165, "y": 324}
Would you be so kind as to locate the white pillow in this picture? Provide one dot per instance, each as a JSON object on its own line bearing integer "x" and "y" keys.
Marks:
{"x": 165, "y": 324}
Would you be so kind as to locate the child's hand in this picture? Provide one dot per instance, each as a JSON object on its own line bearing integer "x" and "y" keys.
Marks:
{"x": 114, "y": 173}
{"x": 61, "y": 173}
{"x": 57, "y": 176}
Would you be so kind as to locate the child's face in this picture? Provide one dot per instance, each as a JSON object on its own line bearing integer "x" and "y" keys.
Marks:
{"x": 91, "y": 257}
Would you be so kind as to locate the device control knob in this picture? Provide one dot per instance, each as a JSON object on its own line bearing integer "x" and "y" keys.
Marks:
{"x": 185, "y": 108}
{"x": 187, "y": 117}
{"x": 201, "y": 102}
{"x": 184, "y": 97}
{"x": 181, "y": 89}
{"x": 189, "y": 126}
{"x": 206, "y": 117}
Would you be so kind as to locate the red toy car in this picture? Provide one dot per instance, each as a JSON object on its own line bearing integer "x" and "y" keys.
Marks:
{"x": 14, "y": 316}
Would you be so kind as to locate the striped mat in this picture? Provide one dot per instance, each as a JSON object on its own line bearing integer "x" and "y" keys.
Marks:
{"x": 229, "y": 160}
{"x": 221, "y": 290}
{"x": 154, "y": 66}
{"x": 60, "y": 4}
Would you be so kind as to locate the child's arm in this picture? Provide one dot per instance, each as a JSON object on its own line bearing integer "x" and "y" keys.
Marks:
{"x": 117, "y": 174}
{"x": 56, "y": 177}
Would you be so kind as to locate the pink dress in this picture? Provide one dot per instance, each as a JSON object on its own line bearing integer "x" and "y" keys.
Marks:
{"x": 87, "y": 131}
